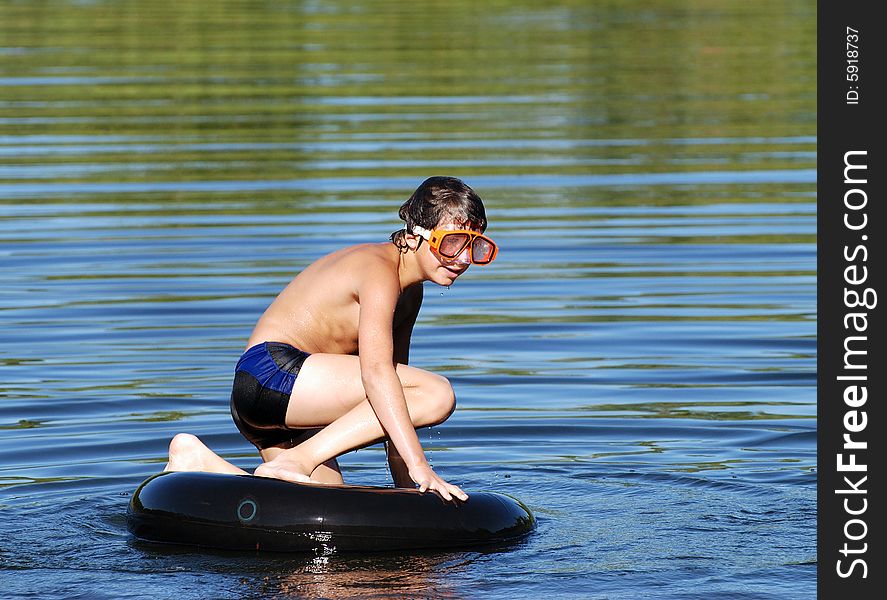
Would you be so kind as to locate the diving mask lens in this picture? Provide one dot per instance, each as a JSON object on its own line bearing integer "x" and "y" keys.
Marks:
{"x": 482, "y": 250}
{"x": 452, "y": 244}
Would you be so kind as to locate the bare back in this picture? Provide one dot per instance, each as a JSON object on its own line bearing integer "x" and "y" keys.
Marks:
{"x": 319, "y": 311}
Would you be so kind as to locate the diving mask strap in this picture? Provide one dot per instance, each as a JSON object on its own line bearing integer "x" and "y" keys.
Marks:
{"x": 421, "y": 231}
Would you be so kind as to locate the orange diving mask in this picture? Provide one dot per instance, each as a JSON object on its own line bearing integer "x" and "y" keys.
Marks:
{"x": 448, "y": 244}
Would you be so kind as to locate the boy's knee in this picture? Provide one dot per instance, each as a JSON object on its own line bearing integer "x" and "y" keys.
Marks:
{"x": 443, "y": 400}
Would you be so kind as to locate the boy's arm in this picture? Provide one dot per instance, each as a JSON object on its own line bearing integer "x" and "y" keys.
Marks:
{"x": 378, "y": 296}
{"x": 400, "y": 473}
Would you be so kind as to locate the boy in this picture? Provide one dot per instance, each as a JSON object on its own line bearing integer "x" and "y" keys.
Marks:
{"x": 329, "y": 356}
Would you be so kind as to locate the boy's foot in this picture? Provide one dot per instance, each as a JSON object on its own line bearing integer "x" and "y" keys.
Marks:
{"x": 286, "y": 467}
{"x": 187, "y": 453}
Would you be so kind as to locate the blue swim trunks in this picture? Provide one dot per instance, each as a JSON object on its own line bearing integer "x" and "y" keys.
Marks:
{"x": 263, "y": 381}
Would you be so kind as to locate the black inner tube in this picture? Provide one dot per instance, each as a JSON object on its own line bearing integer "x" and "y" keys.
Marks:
{"x": 244, "y": 512}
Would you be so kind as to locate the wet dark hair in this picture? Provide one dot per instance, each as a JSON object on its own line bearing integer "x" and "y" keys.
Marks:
{"x": 438, "y": 199}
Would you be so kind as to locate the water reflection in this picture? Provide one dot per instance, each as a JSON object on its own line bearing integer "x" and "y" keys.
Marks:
{"x": 419, "y": 576}
{"x": 646, "y": 374}
{"x": 324, "y": 573}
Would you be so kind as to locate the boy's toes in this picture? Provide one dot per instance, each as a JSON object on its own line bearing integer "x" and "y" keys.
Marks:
{"x": 263, "y": 470}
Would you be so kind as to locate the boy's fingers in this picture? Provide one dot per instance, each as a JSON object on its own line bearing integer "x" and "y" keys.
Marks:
{"x": 445, "y": 489}
{"x": 457, "y": 491}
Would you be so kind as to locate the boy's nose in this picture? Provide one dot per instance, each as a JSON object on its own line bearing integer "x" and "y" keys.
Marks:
{"x": 464, "y": 257}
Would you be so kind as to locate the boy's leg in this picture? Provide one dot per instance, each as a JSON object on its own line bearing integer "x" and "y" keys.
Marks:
{"x": 329, "y": 391}
{"x": 188, "y": 453}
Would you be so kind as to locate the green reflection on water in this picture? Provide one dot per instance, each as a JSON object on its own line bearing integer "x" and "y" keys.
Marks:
{"x": 23, "y": 424}
{"x": 343, "y": 88}
{"x": 164, "y": 416}
{"x": 699, "y": 410}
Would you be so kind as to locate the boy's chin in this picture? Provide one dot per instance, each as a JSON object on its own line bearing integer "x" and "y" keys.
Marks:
{"x": 445, "y": 279}
{"x": 453, "y": 275}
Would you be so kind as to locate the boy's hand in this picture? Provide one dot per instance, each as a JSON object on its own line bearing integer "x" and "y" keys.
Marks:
{"x": 427, "y": 479}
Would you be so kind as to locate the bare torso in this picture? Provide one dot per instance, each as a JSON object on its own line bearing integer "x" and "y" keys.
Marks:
{"x": 318, "y": 311}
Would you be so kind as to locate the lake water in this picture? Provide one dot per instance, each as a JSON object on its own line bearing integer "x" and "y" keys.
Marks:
{"x": 638, "y": 366}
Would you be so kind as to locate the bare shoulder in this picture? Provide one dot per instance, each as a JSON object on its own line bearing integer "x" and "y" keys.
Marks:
{"x": 367, "y": 271}
{"x": 363, "y": 262}
{"x": 374, "y": 267}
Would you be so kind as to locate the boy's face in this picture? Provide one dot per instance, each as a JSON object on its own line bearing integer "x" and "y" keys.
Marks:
{"x": 444, "y": 270}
